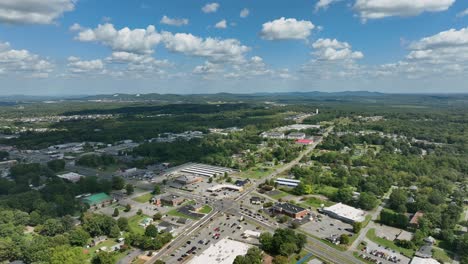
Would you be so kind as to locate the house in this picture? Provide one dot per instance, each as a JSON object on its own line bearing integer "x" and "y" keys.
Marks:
{"x": 188, "y": 179}
{"x": 168, "y": 200}
{"x": 97, "y": 240}
{"x": 241, "y": 183}
{"x": 290, "y": 210}
{"x": 415, "y": 219}
{"x": 71, "y": 176}
{"x": 146, "y": 222}
{"x": 424, "y": 252}
{"x": 183, "y": 221}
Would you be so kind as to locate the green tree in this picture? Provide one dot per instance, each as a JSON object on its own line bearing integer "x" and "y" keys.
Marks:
{"x": 78, "y": 237}
{"x": 56, "y": 165}
{"x": 254, "y": 256}
{"x": 122, "y": 222}
{"x": 67, "y": 254}
{"x": 357, "y": 226}
{"x": 114, "y": 231}
{"x": 116, "y": 212}
{"x": 157, "y": 216}
{"x": 398, "y": 199}
{"x": 344, "y": 239}
{"x": 128, "y": 207}
{"x": 151, "y": 231}
{"x": 52, "y": 227}
{"x": 156, "y": 189}
{"x": 129, "y": 189}
{"x": 104, "y": 258}
{"x": 367, "y": 201}
{"x": 118, "y": 183}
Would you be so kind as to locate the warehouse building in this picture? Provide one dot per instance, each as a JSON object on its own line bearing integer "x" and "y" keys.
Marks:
{"x": 205, "y": 170}
{"x": 345, "y": 213}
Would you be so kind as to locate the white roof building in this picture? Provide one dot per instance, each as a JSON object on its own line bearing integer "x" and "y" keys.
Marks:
{"x": 221, "y": 187}
{"x": 223, "y": 252}
{"x": 418, "y": 260}
{"x": 345, "y": 213}
{"x": 71, "y": 176}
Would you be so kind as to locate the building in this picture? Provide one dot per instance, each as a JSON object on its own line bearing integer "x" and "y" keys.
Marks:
{"x": 188, "y": 179}
{"x": 290, "y": 210}
{"x": 220, "y": 187}
{"x": 241, "y": 183}
{"x": 205, "y": 170}
{"x": 223, "y": 252}
{"x": 345, "y": 213}
{"x": 296, "y": 135}
{"x": 167, "y": 200}
{"x": 287, "y": 182}
{"x": 424, "y": 252}
{"x": 251, "y": 233}
{"x": 97, "y": 199}
{"x": 273, "y": 135}
{"x": 256, "y": 200}
{"x": 418, "y": 260}
{"x": 304, "y": 141}
{"x": 71, "y": 176}
{"x": 415, "y": 219}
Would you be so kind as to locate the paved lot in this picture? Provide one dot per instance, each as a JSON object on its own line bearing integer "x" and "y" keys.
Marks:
{"x": 326, "y": 227}
{"x": 387, "y": 232}
{"x": 377, "y": 253}
{"x": 225, "y": 226}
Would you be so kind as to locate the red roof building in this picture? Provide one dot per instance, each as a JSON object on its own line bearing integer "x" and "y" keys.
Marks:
{"x": 304, "y": 141}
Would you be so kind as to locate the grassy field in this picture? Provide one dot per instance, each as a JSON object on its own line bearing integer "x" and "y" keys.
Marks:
{"x": 143, "y": 198}
{"x": 387, "y": 243}
{"x": 441, "y": 255}
{"x": 206, "y": 209}
{"x": 257, "y": 172}
{"x": 279, "y": 195}
{"x": 134, "y": 221}
{"x": 326, "y": 190}
{"x": 316, "y": 202}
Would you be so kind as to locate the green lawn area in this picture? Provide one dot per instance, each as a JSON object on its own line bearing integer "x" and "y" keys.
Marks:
{"x": 206, "y": 209}
{"x": 108, "y": 243}
{"x": 257, "y": 172}
{"x": 316, "y": 202}
{"x": 134, "y": 221}
{"x": 279, "y": 195}
{"x": 143, "y": 198}
{"x": 176, "y": 213}
{"x": 328, "y": 191}
{"x": 441, "y": 255}
{"x": 387, "y": 243}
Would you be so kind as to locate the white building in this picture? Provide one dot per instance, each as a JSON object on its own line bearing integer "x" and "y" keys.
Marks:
{"x": 205, "y": 170}
{"x": 287, "y": 182}
{"x": 223, "y": 252}
{"x": 221, "y": 187}
{"x": 418, "y": 260}
{"x": 345, "y": 213}
{"x": 296, "y": 135}
{"x": 71, "y": 176}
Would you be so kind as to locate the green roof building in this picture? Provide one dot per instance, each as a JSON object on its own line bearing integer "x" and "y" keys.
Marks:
{"x": 97, "y": 198}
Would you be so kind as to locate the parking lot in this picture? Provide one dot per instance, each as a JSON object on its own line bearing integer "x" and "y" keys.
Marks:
{"x": 378, "y": 254}
{"x": 224, "y": 226}
{"x": 325, "y": 226}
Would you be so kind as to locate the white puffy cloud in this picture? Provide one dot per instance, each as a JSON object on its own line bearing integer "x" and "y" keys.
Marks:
{"x": 174, "y": 21}
{"x": 323, "y": 4}
{"x": 215, "y": 50}
{"x": 76, "y": 65}
{"x": 130, "y": 40}
{"x": 23, "y": 62}
{"x": 244, "y": 13}
{"x": 290, "y": 28}
{"x": 332, "y": 49}
{"x": 449, "y": 38}
{"x": 34, "y": 11}
{"x": 463, "y": 13}
{"x": 210, "y": 8}
{"x": 221, "y": 24}
{"x": 208, "y": 68}
{"x": 375, "y": 9}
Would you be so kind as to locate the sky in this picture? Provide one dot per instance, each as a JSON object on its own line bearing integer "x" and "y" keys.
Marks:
{"x": 84, "y": 47}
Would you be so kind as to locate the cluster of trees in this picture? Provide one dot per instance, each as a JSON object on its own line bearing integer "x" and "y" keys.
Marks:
{"x": 150, "y": 240}
{"x": 284, "y": 242}
{"x": 94, "y": 161}
{"x": 254, "y": 256}
{"x": 395, "y": 219}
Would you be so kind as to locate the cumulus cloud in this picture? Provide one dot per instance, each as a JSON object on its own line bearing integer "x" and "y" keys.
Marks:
{"x": 463, "y": 13}
{"x": 34, "y": 11}
{"x": 290, "y": 28}
{"x": 221, "y": 24}
{"x": 22, "y": 62}
{"x": 138, "y": 40}
{"x": 76, "y": 65}
{"x": 215, "y": 50}
{"x": 208, "y": 68}
{"x": 174, "y": 21}
{"x": 210, "y": 8}
{"x": 332, "y": 49}
{"x": 375, "y": 9}
{"x": 244, "y": 13}
{"x": 324, "y": 4}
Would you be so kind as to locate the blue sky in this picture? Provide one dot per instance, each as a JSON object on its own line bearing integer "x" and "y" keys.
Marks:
{"x": 59, "y": 47}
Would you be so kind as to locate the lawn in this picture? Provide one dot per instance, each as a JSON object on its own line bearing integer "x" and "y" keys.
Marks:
{"x": 328, "y": 191}
{"x": 279, "y": 195}
{"x": 441, "y": 255}
{"x": 133, "y": 223}
{"x": 257, "y": 172}
{"x": 387, "y": 243}
{"x": 206, "y": 209}
{"x": 316, "y": 202}
{"x": 143, "y": 198}
{"x": 108, "y": 243}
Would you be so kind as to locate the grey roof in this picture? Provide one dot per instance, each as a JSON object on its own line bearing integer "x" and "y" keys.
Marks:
{"x": 289, "y": 208}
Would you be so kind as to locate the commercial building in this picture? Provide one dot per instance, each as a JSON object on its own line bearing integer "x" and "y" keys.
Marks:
{"x": 71, "y": 176}
{"x": 296, "y": 135}
{"x": 188, "y": 179}
{"x": 97, "y": 199}
{"x": 220, "y": 187}
{"x": 287, "y": 182}
{"x": 205, "y": 170}
{"x": 418, "y": 260}
{"x": 345, "y": 213}
{"x": 168, "y": 200}
{"x": 290, "y": 210}
{"x": 223, "y": 252}
{"x": 304, "y": 141}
